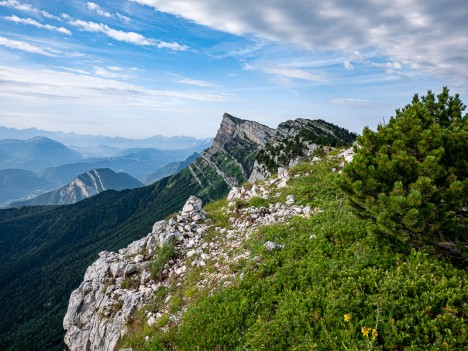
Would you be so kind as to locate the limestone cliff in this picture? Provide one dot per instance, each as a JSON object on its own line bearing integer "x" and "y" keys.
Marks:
{"x": 118, "y": 283}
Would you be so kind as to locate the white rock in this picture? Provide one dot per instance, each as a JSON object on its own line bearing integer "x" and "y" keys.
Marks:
{"x": 271, "y": 246}
{"x": 139, "y": 258}
{"x": 290, "y": 199}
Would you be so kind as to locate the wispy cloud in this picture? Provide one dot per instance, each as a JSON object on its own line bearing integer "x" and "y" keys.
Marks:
{"x": 101, "y": 12}
{"x": 35, "y": 23}
{"x": 128, "y": 37}
{"x": 348, "y": 101}
{"x": 23, "y": 46}
{"x": 80, "y": 86}
{"x": 294, "y": 73}
{"x": 189, "y": 81}
{"x": 285, "y": 72}
{"x": 111, "y": 72}
{"x": 14, "y": 4}
{"x": 428, "y": 36}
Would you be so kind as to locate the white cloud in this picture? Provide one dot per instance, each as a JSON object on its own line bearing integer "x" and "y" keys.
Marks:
{"x": 95, "y": 7}
{"x": 348, "y": 65}
{"x": 122, "y": 17}
{"x": 87, "y": 88}
{"x": 189, "y": 81}
{"x": 128, "y": 37}
{"x": 100, "y": 11}
{"x": 14, "y": 4}
{"x": 23, "y": 46}
{"x": 352, "y": 102}
{"x": 35, "y": 23}
{"x": 427, "y": 35}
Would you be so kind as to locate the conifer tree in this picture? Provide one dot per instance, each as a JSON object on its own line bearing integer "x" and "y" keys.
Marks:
{"x": 410, "y": 175}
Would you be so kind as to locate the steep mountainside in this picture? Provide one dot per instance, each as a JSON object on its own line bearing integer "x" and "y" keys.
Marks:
{"x": 17, "y": 183}
{"x": 170, "y": 169}
{"x": 61, "y": 175}
{"x": 36, "y": 153}
{"x": 44, "y": 251}
{"x": 84, "y": 186}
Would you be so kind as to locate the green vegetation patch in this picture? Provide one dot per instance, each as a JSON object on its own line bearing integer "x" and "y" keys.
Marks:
{"x": 336, "y": 285}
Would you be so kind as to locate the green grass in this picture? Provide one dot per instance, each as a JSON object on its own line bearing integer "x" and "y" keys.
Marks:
{"x": 162, "y": 256}
{"x": 333, "y": 265}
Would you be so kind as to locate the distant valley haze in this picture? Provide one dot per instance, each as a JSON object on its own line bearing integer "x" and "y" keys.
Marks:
{"x": 35, "y": 169}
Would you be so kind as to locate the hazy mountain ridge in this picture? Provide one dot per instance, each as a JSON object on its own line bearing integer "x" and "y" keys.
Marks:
{"x": 170, "y": 169}
{"x": 35, "y": 154}
{"x": 56, "y": 164}
{"x": 15, "y": 183}
{"x": 47, "y": 249}
{"x": 84, "y": 186}
{"x": 87, "y": 141}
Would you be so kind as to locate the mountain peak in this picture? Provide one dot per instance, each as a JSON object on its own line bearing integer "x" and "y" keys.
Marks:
{"x": 237, "y": 128}
{"x": 84, "y": 186}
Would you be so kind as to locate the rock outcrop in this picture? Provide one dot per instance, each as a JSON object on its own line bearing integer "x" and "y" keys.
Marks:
{"x": 296, "y": 140}
{"x": 118, "y": 283}
{"x": 249, "y": 151}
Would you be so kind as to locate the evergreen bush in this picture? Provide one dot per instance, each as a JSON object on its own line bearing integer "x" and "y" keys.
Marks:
{"x": 410, "y": 175}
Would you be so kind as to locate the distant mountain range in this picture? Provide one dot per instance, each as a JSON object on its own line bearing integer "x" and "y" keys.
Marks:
{"x": 19, "y": 183}
{"x": 94, "y": 142}
{"x": 84, "y": 186}
{"x": 35, "y": 154}
{"x": 55, "y": 164}
{"x": 170, "y": 169}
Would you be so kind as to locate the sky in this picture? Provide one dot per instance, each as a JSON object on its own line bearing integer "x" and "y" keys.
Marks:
{"x": 139, "y": 68}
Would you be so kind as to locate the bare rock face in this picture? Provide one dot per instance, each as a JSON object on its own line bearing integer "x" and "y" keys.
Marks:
{"x": 233, "y": 127}
{"x": 118, "y": 283}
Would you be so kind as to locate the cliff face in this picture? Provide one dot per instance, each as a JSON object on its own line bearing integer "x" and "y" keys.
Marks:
{"x": 118, "y": 283}
{"x": 235, "y": 148}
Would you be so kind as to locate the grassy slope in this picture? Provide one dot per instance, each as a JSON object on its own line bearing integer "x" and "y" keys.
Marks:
{"x": 334, "y": 266}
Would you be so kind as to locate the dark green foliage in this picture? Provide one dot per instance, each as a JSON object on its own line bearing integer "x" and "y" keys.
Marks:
{"x": 411, "y": 175}
{"x": 44, "y": 251}
{"x": 280, "y": 153}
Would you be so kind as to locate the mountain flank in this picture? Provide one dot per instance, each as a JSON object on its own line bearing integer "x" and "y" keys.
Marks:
{"x": 35, "y": 154}
{"x": 84, "y": 186}
{"x": 281, "y": 264}
{"x": 45, "y": 250}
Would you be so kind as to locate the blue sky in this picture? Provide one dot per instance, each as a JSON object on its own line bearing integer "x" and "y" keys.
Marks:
{"x": 145, "y": 67}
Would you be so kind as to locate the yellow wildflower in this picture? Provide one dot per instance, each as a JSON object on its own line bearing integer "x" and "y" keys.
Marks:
{"x": 347, "y": 317}
{"x": 365, "y": 331}
{"x": 375, "y": 334}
